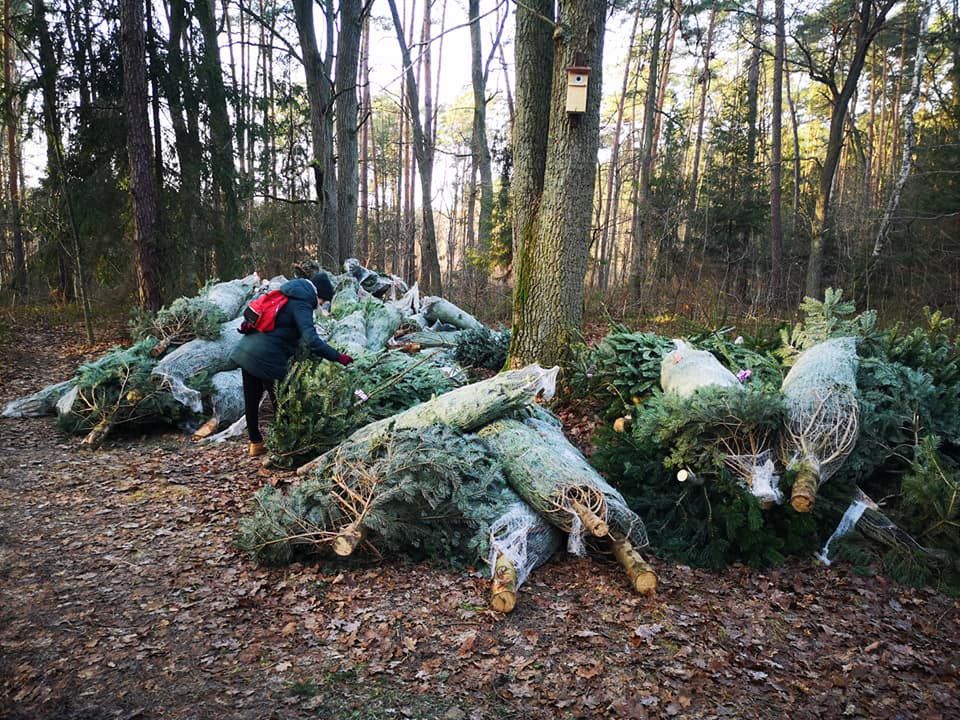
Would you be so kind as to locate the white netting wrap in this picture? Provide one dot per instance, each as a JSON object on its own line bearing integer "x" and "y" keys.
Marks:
{"x": 524, "y": 538}
{"x": 65, "y": 403}
{"x": 822, "y": 409}
{"x": 759, "y": 473}
{"x": 227, "y": 397}
{"x": 232, "y": 296}
{"x": 438, "y": 310}
{"x": 850, "y": 518}
{"x": 43, "y": 402}
{"x": 409, "y": 304}
{"x": 686, "y": 369}
{"x": 235, "y": 430}
{"x": 350, "y": 333}
{"x": 196, "y": 356}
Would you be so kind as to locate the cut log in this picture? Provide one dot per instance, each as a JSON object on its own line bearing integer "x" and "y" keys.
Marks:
{"x": 348, "y": 540}
{"x": 622, "y": 424}
{"x": 642, "y": 575}
{"x": 206, "y": 430}
{"x": 805, "y": 487}
{"x": 503, "y": 596}
{"x": 98, "y": 434}
{"x": 594, "y": 524}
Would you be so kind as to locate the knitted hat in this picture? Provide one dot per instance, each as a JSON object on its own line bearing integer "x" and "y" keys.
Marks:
{"x": 323, "y": 285}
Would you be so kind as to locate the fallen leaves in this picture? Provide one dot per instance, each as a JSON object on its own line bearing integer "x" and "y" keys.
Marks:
{"x": 121, "y": 586}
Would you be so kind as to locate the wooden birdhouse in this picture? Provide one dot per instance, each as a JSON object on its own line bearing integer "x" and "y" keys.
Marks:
{"x": 577, "y": 80}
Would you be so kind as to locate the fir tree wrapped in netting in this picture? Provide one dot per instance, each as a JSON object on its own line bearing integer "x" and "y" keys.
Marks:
{"x": 713, "y": 431}
{"x": 38, "y": 404}
{"x": 185, "y": 319}
{"x": 464, "y": 409}
{"x": 710, "y": 519}
{"x": 320, "y": 403}
{"x": 426, "y": 492}
{"x": 482, "y": 348}
{"x": 116, "y": 391}
{"x": 176, "y": 370}
{"x": 520, "y": 541}
{"x": 558, "y": 482}
{"x": 823, "y": 415}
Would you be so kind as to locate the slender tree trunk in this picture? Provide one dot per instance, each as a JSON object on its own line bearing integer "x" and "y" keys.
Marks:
{"x": 548, "y": 291}
{"x": 694, "y": 192}
{"x": 795, "y": 134}
{"x": 348, "y": 50}
{"x": 776, "y": 158}
{"x": 429, "y": 278}
{"x": 318, "y": 98}
{"x": 230, "y": 245}
{"x": 479, "y": 146}
{"x": 746, "y": 223}
{"x": 866, "y": 28}
{"x": 909, "y": 135}
{"x": 143, "y": 181}
{"x": 364, "y": 240}
{"x": 674, "y": 24}
{"x": 9, "y": 54}
{"x": 612, "y": 174}
{"x": 646, "y": 149}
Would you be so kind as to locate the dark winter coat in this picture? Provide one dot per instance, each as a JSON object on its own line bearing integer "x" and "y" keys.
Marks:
{"x": 267, "y": 355}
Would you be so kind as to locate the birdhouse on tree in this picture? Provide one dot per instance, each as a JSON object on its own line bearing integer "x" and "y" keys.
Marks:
{"x": 577, "y": 80}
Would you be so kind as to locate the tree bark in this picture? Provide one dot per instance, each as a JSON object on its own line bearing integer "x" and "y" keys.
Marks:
{"x": 348, "y": 177}
{"x": 534, "y": 53}
{"x": 363, "y": 246}
{"x": 143, "y": 181}
{"x": 429, "y": 278}
{"x": 548, "y": 292}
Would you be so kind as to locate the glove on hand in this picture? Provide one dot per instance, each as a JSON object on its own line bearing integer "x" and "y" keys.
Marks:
{"x": 344, "y": 359}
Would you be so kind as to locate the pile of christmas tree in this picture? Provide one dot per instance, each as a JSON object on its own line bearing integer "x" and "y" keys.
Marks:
{"x": 178, "y": 373}
{"x": 481, "y": 472}
{"x": 755, "y": 451}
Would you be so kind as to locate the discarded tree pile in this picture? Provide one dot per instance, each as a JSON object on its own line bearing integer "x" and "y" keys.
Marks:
{"x": 187, "y": 379}
{"x": 466, "y": 476}
{"x": 870, "y": 410}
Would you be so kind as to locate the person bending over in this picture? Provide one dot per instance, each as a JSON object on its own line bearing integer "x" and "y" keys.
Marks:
{"x": 264, "y": 357}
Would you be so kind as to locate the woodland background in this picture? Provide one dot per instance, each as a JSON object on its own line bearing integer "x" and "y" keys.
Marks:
{"x": 749, "y": 152}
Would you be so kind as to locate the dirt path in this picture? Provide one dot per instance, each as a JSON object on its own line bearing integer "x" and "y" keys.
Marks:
{"x": 122, "y": 597}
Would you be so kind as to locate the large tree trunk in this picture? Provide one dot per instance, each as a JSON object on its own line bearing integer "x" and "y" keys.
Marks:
{"x": 534, "y": 53}
{"x": 363, "y": 246}
{"x": 776, "y": 158}
{"x": 548, "y": 294}
{"x": 143, "y": 181}
{"x": 321, "y": 130}
{"x": 429, "y": 278}
{"x": 348, "y": 178}
{"x": 229, "y": 244}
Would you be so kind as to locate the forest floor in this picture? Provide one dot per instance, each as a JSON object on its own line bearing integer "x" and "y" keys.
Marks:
{"x": 121, "y": 596}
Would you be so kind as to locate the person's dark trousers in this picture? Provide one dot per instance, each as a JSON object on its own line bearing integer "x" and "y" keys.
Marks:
{"x": 253, "y": 388}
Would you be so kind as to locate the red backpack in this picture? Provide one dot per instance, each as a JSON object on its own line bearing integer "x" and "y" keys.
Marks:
{"x": 261, "y": 313}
